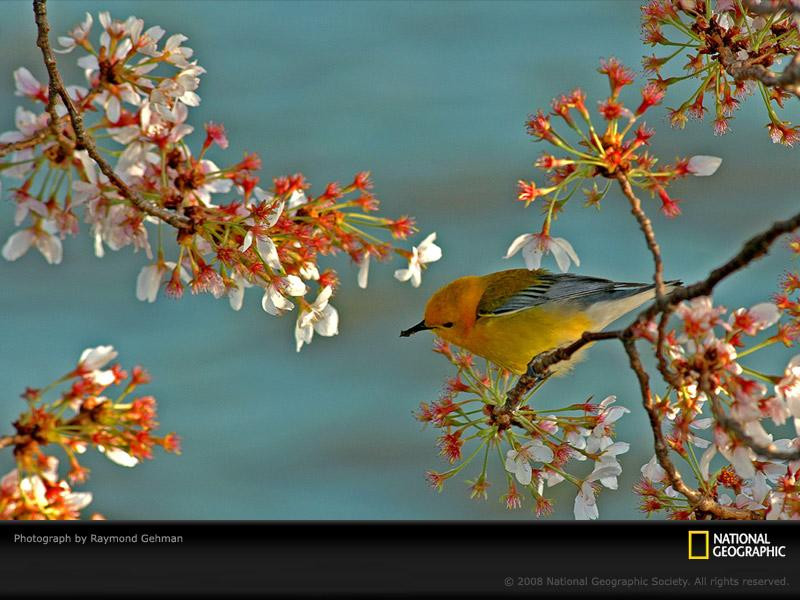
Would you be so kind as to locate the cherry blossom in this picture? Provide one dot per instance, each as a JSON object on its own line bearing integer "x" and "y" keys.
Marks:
{"x": 535, "y": 245}
{"x": 518, "y": 461}
{"x": 41, "y": 236}
{"x": 95, "y": 358}
{"x": 81, "y": 416}
{"x": 27, "y": 85}
{"x": 653, "y": 471}
{"x": 151, "y": 277}
{"x": 585, "y": 506}
{"x": 228, "y": 231}
{"x": 608, "y": 452}
{"x": 318, "y": 316}
{"x": 426, "y": 252}
{"x": 78, "y": 36}
{"x": 788, "y": 388}
{"x": 118, "y": 456}
{"x": 737, "y": 33}
{"x": 536, "y": 451}
{"x": 275, "y": 300}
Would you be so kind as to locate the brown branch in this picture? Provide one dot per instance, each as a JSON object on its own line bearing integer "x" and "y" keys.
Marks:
{"x": 741, "y": 70}
{"x": 84, "y": 140}
{"x": 538, "y": 368}
{"x": 629, "y": 343}
{"x": 13, "y": 440}
{"x": 733, "y": 426}
{"x": 30, "y": 142}
{"x": 754, "y": 248}
{"x": 658, "y": 272}
{"x": 701, "y": 504}
{"x": 647, "y": 229}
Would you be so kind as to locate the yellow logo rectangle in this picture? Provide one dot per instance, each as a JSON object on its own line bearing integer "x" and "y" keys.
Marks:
{"x": 698, "y": 549}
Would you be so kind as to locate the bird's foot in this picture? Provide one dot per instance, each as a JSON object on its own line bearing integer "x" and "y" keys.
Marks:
{"x": 536, "y": 374}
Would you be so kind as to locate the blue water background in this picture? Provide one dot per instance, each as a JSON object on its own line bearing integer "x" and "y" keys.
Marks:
{"x": 431, "y": 97}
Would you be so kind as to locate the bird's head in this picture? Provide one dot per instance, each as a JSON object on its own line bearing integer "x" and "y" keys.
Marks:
{"x": 451, "y": 311}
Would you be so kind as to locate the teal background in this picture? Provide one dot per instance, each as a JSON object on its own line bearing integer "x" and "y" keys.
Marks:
{"x": 431, "y": 97}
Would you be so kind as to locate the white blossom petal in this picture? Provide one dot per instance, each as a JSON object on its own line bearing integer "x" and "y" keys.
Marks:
{"x": 705, "y": 460}
{"x": 363, "y": 271}
{"x": 119, "y": 456}
{"x": 328, "y": 324}
{"x": 532, "y": 254}
{"x": 563, "y": 252}
{"x": 148, "y": 283}
{"x": 518, "y": 244}
{"x": 18, "y": 244}
{"x": 703, "y": 166}
{"x": 95, "y": 358}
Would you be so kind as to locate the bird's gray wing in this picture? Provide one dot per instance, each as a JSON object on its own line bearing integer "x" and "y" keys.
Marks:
{"x": 552, "y": 287}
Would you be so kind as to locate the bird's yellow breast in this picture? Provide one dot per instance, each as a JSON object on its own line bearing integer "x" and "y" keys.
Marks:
{"x": 513, "y": 339}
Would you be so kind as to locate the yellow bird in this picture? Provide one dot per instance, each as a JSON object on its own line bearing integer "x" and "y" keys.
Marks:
{"x": 511, "y": 316}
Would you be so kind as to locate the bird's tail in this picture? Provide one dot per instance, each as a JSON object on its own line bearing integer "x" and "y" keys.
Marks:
{"x": 625, "y": 298}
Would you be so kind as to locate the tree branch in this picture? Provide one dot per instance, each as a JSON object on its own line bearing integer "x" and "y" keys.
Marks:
{"x": 30, "y": 142}
{"x": 13, "y": 440}
{"x": 82, "y": 139}
{"x": 752, "y": 249}
{"x": 740, "y": 70}
{"x": 538, "y": 368}
{"x": 701, "y": 504}
{"x": 647, "y": 229}
{"x": 658, "y": 272}
{"x": 789, "y": 79}
{"x": 733, "y": 426}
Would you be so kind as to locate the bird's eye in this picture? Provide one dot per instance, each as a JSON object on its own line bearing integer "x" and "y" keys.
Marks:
{"x": 448, "y": 325}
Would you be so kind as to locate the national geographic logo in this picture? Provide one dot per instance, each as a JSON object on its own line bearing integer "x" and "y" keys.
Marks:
{"x": 702, "y": 545}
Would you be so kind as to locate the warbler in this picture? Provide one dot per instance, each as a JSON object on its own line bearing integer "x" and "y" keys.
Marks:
{"x": 512, "y": 316}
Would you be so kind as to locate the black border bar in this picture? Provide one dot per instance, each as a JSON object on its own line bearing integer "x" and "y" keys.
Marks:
{"x": 333, "y": 558}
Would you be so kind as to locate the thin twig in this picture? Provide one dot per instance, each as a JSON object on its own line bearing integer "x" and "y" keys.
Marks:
{"x": 658, "y": 272}
{"x": 82, "y": 139}
{"x": 629, "y": 343}
{"x": 647, "y": 229}
{"x": 752, "y": 249}
{"x": 30, "y": 142}
{"x": 788, "y": 80}
{"x": 733, "y": 426}
{"x": 540, "y": 364}
{"x": 13, "y": 440}
{"x": 701, "y": 504}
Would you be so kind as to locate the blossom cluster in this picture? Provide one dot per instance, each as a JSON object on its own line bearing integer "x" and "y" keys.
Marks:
{"x": 712, "y": 37}
{"x": 705, "y": 363}
{"x": 84, "y": 414}
{"x": 618, "y": 148}
{"x": 536, "y": 451}
{"x": 232, "y": 234}
{"x": 788, "y": 298}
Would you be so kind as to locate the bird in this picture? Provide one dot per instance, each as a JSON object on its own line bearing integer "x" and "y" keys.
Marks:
{"x": 510, "y": 317}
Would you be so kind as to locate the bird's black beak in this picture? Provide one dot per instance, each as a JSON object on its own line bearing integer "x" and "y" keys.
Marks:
{"x": 418, "y": 327}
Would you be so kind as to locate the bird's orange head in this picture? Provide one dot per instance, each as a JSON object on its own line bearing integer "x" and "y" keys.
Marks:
{"x": 452, "y": 310}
